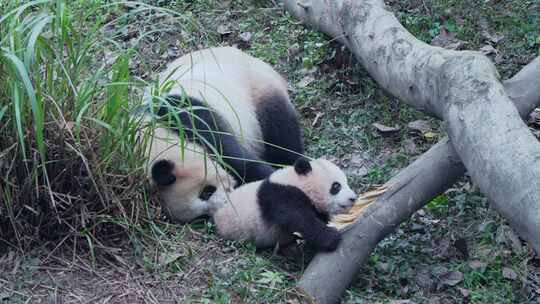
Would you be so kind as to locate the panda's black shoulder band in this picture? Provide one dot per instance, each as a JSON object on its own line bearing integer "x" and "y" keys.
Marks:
{"x": 203, "y": 125}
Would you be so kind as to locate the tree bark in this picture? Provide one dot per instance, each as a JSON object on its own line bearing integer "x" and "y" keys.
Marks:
{"x": 462, "y": 88}
{"x": 451, "y": 85}
{"x": 524, "y": 88}
{"x": 329, "y": 274}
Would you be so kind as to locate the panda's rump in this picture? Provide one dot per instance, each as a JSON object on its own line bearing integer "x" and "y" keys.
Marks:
{"x": 235, "y": 85}
{"x": 240, "y": 219}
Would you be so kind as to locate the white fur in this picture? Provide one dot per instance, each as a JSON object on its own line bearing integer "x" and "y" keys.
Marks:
{"x": 317, "y": 183}
{"x": 240, "y": 217}
{"x": 232, "y": 83}
{"x": 192, "y": 172}
{"x": 214, "y": 75}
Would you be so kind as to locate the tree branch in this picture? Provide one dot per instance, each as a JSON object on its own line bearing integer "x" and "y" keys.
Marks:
{"x": 410, "y": 190}
{"x": 458, "y": 86}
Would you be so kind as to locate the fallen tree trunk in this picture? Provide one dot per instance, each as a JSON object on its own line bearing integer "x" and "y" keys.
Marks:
{"x": 461, "y": 87}
{"x": 427, "y": 177}
{"x": 410, "y": 190}
{"x": 524, "y": 88}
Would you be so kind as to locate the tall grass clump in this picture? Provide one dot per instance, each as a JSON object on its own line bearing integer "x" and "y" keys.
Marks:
{"x": 70, "y": 164}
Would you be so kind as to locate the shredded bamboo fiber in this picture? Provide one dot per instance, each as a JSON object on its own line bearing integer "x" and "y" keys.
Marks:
{"x": 341, "y": 221}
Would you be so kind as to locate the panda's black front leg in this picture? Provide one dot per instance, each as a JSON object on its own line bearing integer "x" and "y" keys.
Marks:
{"x": 316, "y": 233}
{"x": 293, "y": 211}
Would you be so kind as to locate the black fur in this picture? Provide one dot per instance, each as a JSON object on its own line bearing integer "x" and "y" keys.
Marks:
{"x": 302, "y": 166}
{"x": 162, "y": 173}
{"x": 206, "y": 127}
{"x": 293, "y": 211}
{"x": 280, "y": 127}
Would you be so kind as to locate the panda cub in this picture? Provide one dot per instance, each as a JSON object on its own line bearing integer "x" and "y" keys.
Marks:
{"x": 299, "y": 198}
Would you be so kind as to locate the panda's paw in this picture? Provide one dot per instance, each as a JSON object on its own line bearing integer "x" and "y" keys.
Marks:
{"x": 329, "y": 240}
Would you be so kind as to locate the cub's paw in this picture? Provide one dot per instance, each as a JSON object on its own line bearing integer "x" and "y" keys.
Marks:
{"x": 328, "y": 241}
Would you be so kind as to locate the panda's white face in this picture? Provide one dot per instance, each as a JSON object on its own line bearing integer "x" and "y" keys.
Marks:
{"x": 322, "y": 181}
{"x": 338, "y": 196}
{"x": 193, "y": 195}
{"x": 192, "y": 185}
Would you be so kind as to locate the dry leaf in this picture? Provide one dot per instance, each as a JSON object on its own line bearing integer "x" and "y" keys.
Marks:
{"x": 464, "y": 292}
{"x": 451, "y": 278}
{"x": 423, "y": 278}
{"x": 509, "y": 274}
{"x": 443, "y": 249}
{"x": 359, "y": 165}
{"x": 431, "y": 135}
{"x": 421, "y": 126}
{"x": 245, "y": 37}
{"x": 434, "y": 300}
{"x": 223, "y": 30}
{"x": 293, "y": 50}
{"x": 69, "y": 125}
{"x": 492, "y": 38}
{"x": 333, "y": 159}
{"x": 305, "y": 81}
{"x": 169, "y": 257}
{"x": 110, "y": 57}
{"x": 386, "y": 129}
{"x": 383, "y": 266}
{"x": 359, "y": 159}
{"x": 225, "y": 3}
{"x": 506, "y": 235}
{"x": 410, "y": 147}
{"x": 488, "y": 49}
{"x": 476, "y": 264}
{"x": 499, "y": 58}
{"x": 447, "y": 40}
{"x": 350, "y": 82}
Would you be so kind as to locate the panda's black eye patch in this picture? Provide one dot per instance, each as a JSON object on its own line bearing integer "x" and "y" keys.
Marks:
{"x": 207, "y": 192}
{"x": 336, "y": 187}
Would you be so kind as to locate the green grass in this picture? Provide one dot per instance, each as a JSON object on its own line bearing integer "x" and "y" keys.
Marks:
{"x": 66, "y": 122}
{"x": 517, "y": 22}
{"x": 73, "y": 199}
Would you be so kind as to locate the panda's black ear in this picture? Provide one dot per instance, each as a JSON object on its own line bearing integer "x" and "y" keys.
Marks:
{"x": 162, "y": 173}
{"x": 302, "y": 166}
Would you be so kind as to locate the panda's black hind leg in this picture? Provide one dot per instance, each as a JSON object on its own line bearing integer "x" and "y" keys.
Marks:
{"x": 280, "y": 127}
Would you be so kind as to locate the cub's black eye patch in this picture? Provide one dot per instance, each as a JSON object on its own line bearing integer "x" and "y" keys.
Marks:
{"x": 302, "y": 166}
{"x": 336, "y": 187}
{"x": 207, "y": 192}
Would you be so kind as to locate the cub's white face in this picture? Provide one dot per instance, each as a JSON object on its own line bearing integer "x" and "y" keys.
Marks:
{"x": 323, "y": 182}
{"x": 337, "y": 196}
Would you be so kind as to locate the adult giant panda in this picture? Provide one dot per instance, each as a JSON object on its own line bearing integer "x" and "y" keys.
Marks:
{"x": 228, "y": 104}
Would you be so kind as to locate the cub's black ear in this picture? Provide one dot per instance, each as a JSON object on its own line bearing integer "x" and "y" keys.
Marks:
{"x": 162, "y": 173}
{"x": 302, "y": 166}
